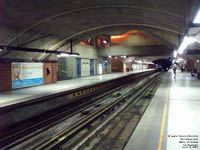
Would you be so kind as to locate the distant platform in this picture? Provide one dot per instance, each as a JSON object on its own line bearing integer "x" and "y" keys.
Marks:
{"x": 171, "y": 122}
{"x": 22, "y": 95}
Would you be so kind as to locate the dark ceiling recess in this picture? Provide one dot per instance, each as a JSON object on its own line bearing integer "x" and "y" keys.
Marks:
{"x": 165, "y": 63}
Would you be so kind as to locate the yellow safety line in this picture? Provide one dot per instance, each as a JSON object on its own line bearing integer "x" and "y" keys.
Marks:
{"x": 163, "y": 120}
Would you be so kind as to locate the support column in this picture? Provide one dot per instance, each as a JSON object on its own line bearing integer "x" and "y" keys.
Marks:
{"x": 198, "y": 69}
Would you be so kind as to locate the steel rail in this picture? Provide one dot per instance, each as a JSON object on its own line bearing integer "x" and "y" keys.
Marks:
{"x": 70, "y": 132}
{"x": 55, "y": 121}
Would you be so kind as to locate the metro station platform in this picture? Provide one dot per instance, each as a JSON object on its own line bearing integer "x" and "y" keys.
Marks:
{"x": 172, "y": 120}
{"x": 22, "y": 95}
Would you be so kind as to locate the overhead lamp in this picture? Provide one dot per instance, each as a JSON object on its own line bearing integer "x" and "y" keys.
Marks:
{"x": 106, "y": 61}
{"x": 1, "y": 49}
{"x": 180, "y": 59}
{"x": 64, "y": 54}
{"x": 180, "y": 52}
{"x": 186, "y": 41}
{"x": 74, "y": 54}
{"x": 115, "y": 57}
{"x": 197, "y": 18}
{"x": 109, "y": 56}
{"x": 148, "y": 63}
{"x": 175, "y": 53}
{"x": 138, "y": 61}
{"x": 198, "y": 61}
{"x": 104, "y": 41}
{"x": 124, "y": 56}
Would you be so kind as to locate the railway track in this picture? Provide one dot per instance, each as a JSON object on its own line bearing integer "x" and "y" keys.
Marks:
{"x": 84, "y": 140}
{"x": 15, "y": 139}
{"x": 55, "y": 141}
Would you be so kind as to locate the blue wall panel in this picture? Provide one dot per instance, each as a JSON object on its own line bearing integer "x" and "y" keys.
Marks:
{"x": 91, "y": 67}
{"x": 78, "y": 67}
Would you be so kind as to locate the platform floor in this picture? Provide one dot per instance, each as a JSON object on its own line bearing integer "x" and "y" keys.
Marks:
{"x": 21, "y": 95}
{"x": 172, "y": 120}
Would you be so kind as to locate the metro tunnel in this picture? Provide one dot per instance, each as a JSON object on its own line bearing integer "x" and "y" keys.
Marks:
{"x": 99, "y": 75}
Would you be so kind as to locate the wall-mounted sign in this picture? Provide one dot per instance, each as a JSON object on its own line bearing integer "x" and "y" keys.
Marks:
{"x": 26, "y": 74}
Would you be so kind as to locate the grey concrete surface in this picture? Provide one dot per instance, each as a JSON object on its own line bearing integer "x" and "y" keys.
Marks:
{"x": 182, "y": 117}
{"x": 61, "y": 21}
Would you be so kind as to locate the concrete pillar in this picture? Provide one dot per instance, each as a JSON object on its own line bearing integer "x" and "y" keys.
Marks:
{"x": 190, "y": 65}
{"x": 198, "y": 69}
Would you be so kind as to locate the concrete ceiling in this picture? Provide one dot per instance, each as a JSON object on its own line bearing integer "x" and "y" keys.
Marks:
{"x": 50, "y": 24}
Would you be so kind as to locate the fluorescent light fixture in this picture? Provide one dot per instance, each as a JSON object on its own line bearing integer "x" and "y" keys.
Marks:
{"x": 75, "y": 55}
{"x": 106, "y": 61}
{"x": 175, "y": 53}
{"x": 180, "y": 52}
{"x": 186, "y": 41}
{"x": 123, "y": 56}
{"x": 197, "y": 60}
{"x": 1, "y": 49}
{"x": 197, "y": 18}
{"x": 148, "y": 63}
{"x": 180, "y": 59}
{"x": 109, "y": 56}
{"x": 64, "y": 55}
{"x": 115, "y": 57}
{"x": 104, "y": 41}
{"x": 58, "y": 56}
{"x": 138, "y": 61}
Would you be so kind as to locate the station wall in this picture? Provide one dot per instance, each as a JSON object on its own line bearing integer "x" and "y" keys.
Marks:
{"x": 81, "y": 66}
{"x": 103, "y": 65}
{"x": 14, "y": 75}
{"x": 72, "y": 67}
{"x": 50, "y": 77}
{"x": 137, "y": 66}
{"x": 117, "y": 65}
{"x": 67, "y": 68}
{"x": 5, "y": 76}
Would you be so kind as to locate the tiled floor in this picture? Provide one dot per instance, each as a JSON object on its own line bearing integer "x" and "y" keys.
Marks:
{"x": 182, "y": 120}
{"x": 21, "y": 95}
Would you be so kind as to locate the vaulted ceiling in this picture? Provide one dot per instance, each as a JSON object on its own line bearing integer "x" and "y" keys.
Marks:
{"x": 51, "y": 24}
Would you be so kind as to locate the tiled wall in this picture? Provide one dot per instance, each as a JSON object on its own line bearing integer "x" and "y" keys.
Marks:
{"x": 117, "y": 65}
{"x": 5, "y": 76}
{"x": 52, "y": 77}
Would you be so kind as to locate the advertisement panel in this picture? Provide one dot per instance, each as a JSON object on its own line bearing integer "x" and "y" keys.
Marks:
{"x": 26, "y": 74}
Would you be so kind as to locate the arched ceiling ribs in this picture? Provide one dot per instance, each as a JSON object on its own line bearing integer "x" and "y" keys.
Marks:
{"x": 96, "y": 7}
{"x": 122, "y": 24}
{"x": 66, "y": 40}
{"x": 159, "y": 39}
